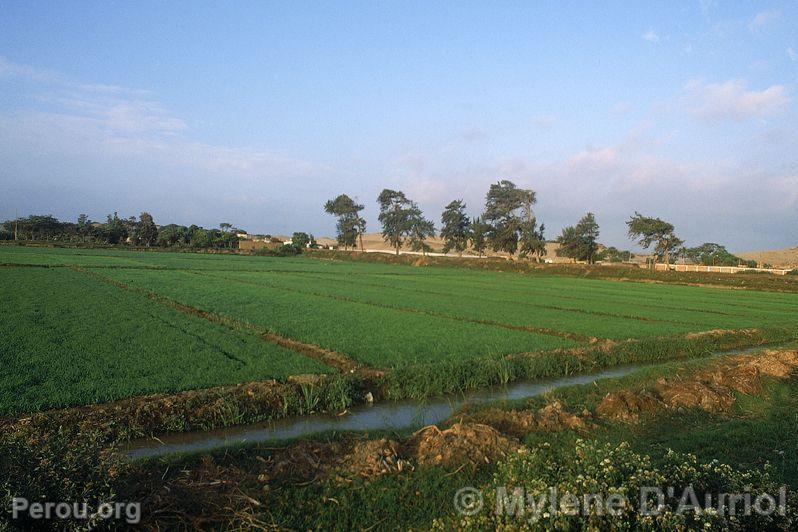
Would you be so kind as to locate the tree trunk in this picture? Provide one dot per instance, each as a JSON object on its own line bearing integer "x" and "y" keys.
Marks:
{"x": 360, "y": 237}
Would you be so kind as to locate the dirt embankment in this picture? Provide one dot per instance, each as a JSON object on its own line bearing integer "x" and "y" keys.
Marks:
{"x": 713, "y": 390}
{"x": 230, "y": 487}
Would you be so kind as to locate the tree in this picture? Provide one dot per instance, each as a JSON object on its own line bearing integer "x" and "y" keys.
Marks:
{"x": 301, "y": 240}
{"x": 225, "y": 227}
{"x": 506, "y": 207}
{"x": 83, "y": 227}
{"x": 531, "y": 240}
{"x": 613, "y": 254}
{"x": 455, "y": 227}
{"x": 580, "y": 242}
{"x": 479, "y": 231}
{"x": 569, "y": 243}
{"x": 419, "y": 230}
{"x": 350, "y": 226}
{"x": 115, "y": 229}
{"x": 647, "y": 231}
{"x": 588, "y": 230}
{"x": 711, "y": 254}
{"x": 200, "y": 238}
{"x": 172, "y": 235}
{"x": 146, "y": 230}
{"x": 396, "y": 213}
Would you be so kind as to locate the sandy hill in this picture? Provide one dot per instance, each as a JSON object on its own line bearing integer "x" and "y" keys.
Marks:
{"x": 779, "y": 258}
{"x": 374, "y": 242}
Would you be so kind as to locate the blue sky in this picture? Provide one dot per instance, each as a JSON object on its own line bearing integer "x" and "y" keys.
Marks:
{"x": 256, "y": 113}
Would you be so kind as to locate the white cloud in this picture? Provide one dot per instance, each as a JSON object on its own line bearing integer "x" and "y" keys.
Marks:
{"x": 763, "y": 19}
{"x": 792, "y": 54}
{"x": 98, "y": 120}
{"x": 651, "y": 36}
{"x": 732, "y": 101}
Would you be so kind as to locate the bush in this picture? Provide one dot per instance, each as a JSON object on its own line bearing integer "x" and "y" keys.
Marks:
{"x": 547, "y": 473}
{"x": 286, "y": 250}
{"x": 57, "y": 466}
{"x": 793, "y": 272}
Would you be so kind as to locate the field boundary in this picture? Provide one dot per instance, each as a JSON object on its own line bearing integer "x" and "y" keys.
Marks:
{"x": 224, "y": 406}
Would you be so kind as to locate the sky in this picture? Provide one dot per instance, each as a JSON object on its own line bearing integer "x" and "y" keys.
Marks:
{"x": 256, "y": 113}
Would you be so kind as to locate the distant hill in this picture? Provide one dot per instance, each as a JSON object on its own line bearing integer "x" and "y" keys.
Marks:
{"x": 780, "y": 258}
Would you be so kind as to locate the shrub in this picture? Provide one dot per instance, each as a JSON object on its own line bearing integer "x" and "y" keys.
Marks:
{"x": 58, "y": 466}
{"x": 286, "y": 250}
{"x": 546, "y": 473}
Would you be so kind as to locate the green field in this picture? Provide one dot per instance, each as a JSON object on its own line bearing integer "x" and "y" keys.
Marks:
{"x": 83, "y": 329}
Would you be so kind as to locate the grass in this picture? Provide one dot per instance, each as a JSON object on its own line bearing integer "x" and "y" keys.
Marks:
{"x": 73, "y": 339}
{"x": 67, "y": 339}
{"x": 380, "y": 337}
{"x": 760, "y": 429}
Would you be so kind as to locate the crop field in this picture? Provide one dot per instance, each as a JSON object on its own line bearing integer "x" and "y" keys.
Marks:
{"x": 87, "y": 326}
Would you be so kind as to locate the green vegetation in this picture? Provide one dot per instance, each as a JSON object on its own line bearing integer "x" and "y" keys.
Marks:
{"x": 580, "y": 242}
{"x": 177, "y": 321}
{"x": 710, "y": 254}
{"x": 648, "y": 231}
{"x": 350, "y": 226}
{"x": 455, "y": 227}
{"x": 68, "y": 339}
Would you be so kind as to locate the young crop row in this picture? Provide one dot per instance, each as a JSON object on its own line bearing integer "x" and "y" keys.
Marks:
{"x": 67, "y": 339}
{"x": 467, "y": 306}
{"x": 114, "y": 258}
{"x": 381, "y": 337}
{"x": 597, "y": 317}
{"x": 569, "y": 296}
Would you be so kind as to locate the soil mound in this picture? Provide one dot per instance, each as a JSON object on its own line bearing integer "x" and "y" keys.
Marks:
{"x": 372, "y": 458}
{"x": 518, "y": 423}
{"x": 779, "y": 364}
{"x": 627, "y": 406}
{"x": 466, "y": 443}
{"x": 694, "y": 393}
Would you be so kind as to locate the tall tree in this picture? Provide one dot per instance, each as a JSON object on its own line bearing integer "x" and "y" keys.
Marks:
{"x": 569, "y": 243}
{"x": 580, "y": 242}
{"x": 455, "y": 227}
{"x": 396, "y": 212}
{"x": 479, "y": 232}
{"x": 83, "y": 227}
{"x": 115, "y": 230}
{"x": 419, "y": 230}
{"x": 146, "y": 231}
{"x": 506, "y": 207}
{"x": 531, "y": 241}
{"x": 647, "y": 231}
{"x": 350, "y": 226}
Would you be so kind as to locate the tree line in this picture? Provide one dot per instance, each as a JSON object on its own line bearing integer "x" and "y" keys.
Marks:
{"x": 508, "y": 225}
{"x": 115, "y": 230}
